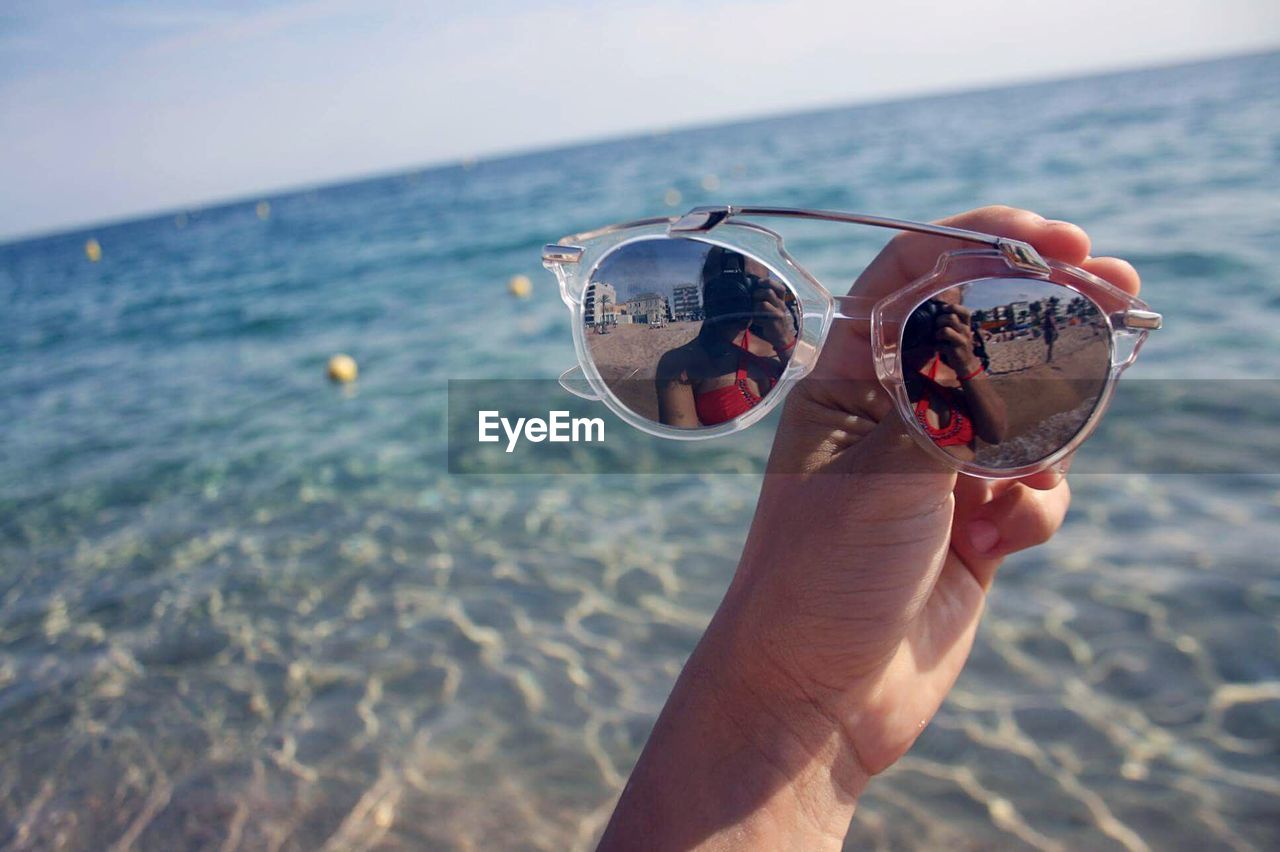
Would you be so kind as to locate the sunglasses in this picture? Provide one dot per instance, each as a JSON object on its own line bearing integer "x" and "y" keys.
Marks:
{"x": 1002, "y": 362}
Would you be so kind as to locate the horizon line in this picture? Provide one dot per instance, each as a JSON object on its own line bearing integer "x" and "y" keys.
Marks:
{"x": 500, "y": 155}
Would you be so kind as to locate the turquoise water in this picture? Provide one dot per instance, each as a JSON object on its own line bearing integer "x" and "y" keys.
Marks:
{"x": 242, "y": 608}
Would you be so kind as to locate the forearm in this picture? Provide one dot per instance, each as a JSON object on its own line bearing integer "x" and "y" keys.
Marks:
{"x": 736, "y": 762}
{"x": 986, "y": 408}
{"x": 676, "y": 404}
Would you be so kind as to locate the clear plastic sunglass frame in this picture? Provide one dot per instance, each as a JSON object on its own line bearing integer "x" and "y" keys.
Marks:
{"x": 575, "y": 258}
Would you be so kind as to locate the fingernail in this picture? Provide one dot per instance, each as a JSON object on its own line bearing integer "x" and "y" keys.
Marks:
{"x": 983, "y": 535}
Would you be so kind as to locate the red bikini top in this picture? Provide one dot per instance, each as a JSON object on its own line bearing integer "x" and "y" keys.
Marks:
{"x": 958, "y": 430}
{"x": 720, "y": 405}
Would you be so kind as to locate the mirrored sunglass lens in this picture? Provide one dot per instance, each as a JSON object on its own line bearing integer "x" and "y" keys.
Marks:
{"x": 688, "y": 334}
{"x": 1006, "y": 371}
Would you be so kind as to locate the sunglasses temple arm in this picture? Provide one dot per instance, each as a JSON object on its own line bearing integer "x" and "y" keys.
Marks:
{"x": 856, "y": 308}
{"x": 863, "y": 219}
{"x": 1015, "y": 251}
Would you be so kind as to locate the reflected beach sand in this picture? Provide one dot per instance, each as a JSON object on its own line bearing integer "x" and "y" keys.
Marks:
{"x": 1047, "y": 403}
{"x": 619, "y": 353}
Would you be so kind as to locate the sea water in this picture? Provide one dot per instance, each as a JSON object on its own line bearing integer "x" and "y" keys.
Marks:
{"x": 242, "y": 607}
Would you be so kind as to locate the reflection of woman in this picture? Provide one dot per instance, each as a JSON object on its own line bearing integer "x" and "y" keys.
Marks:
{"x": 745, "y": 341}
{"x": 955, "y": 401}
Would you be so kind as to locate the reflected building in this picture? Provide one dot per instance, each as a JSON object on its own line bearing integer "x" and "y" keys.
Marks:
{"x": 686, "y": 303}
{"x": 599, "y": 300}
{"x": 1019, "y": 312}
{"x": 649, "y": 308}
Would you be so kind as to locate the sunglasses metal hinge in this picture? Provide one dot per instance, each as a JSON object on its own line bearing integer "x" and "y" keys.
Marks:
{"x": 1137, "y": 319}
{"x": 1022, "y": 256}
{"x": 701, "y": 219}
{"x": 555, "y": 253}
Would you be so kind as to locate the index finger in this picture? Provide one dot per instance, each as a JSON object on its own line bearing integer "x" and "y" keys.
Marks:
{"x": 771, "y": 286}
{"x": 764, "y": 294}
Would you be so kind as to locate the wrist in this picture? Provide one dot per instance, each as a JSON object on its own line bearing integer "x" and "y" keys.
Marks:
{"x": 963, "y": 366}
{"x": 782, "y": 721}
{"x": 781, "y": 342}
{"x": 736, "y": 760}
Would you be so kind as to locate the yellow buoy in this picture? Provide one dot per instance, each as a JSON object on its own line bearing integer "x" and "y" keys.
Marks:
{"x": 92, "y": 250}
{"x": 520, "y": 286}
{"x": 343, "y": 369}
{"x": 672, "y": 197}
{"x": 263, "y": 210}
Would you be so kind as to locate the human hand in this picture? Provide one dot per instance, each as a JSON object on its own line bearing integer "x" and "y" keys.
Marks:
{"x": 855, "y": 604}
{"x": 955, "y": 339}
{"x": 770, "y": 314}
{"x": 867, "y": 566}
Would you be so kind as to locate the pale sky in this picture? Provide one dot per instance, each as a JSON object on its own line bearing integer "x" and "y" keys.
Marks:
{"x": 109, "y": 110}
